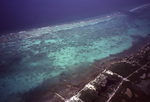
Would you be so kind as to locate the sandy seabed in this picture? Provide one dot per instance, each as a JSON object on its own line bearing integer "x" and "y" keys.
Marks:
{"x": 43, "y": 61}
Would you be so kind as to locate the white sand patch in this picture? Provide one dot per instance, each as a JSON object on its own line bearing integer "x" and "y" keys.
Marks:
{"x": 70, "y": 56}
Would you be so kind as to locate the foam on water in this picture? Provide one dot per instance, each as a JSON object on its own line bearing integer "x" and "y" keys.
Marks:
{"x": 140, "y": 7}
{"x": 28, "y": 58}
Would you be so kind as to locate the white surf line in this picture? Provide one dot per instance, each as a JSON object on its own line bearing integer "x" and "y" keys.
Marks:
{"x": 51, "y": 29}
{"x": 77, "y": 24}
{"x": 139, "y": 7}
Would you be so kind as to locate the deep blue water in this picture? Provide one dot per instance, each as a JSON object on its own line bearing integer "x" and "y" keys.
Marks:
{"x": 32, "y": 61}
{"x": 16, "y": 15}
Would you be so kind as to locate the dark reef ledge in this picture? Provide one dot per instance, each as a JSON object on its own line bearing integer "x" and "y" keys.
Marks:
{"x": 124, "y": 77}
{"x": 123, "y": 80}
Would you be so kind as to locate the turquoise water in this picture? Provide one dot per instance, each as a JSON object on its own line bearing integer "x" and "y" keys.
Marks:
{"x": 30, "y": 58}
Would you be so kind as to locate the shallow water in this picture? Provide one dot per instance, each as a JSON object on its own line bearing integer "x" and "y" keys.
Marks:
{"x": 51, "y": 54}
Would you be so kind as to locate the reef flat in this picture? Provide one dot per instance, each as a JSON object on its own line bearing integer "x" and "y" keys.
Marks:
{"x": 123, "y": 80}
{"x": 54, "y": 63}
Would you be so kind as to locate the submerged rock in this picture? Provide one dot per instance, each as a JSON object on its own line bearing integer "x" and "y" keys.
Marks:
{"x": 110, "y": 85}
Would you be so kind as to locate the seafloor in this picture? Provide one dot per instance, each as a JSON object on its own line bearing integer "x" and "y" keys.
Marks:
{"x": 122, "y": 80}
{"x": 52, "y": 64}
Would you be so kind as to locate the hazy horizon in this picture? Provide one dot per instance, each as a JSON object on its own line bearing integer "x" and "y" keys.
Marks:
{"x": 27, "y": 14}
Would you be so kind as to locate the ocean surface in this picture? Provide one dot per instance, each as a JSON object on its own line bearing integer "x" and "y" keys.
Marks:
{"x": 61, "y": 46}
{"x": 27, "y": 14}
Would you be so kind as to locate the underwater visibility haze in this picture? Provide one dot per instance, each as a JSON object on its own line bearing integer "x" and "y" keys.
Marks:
{"x": 48, "y": 45}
